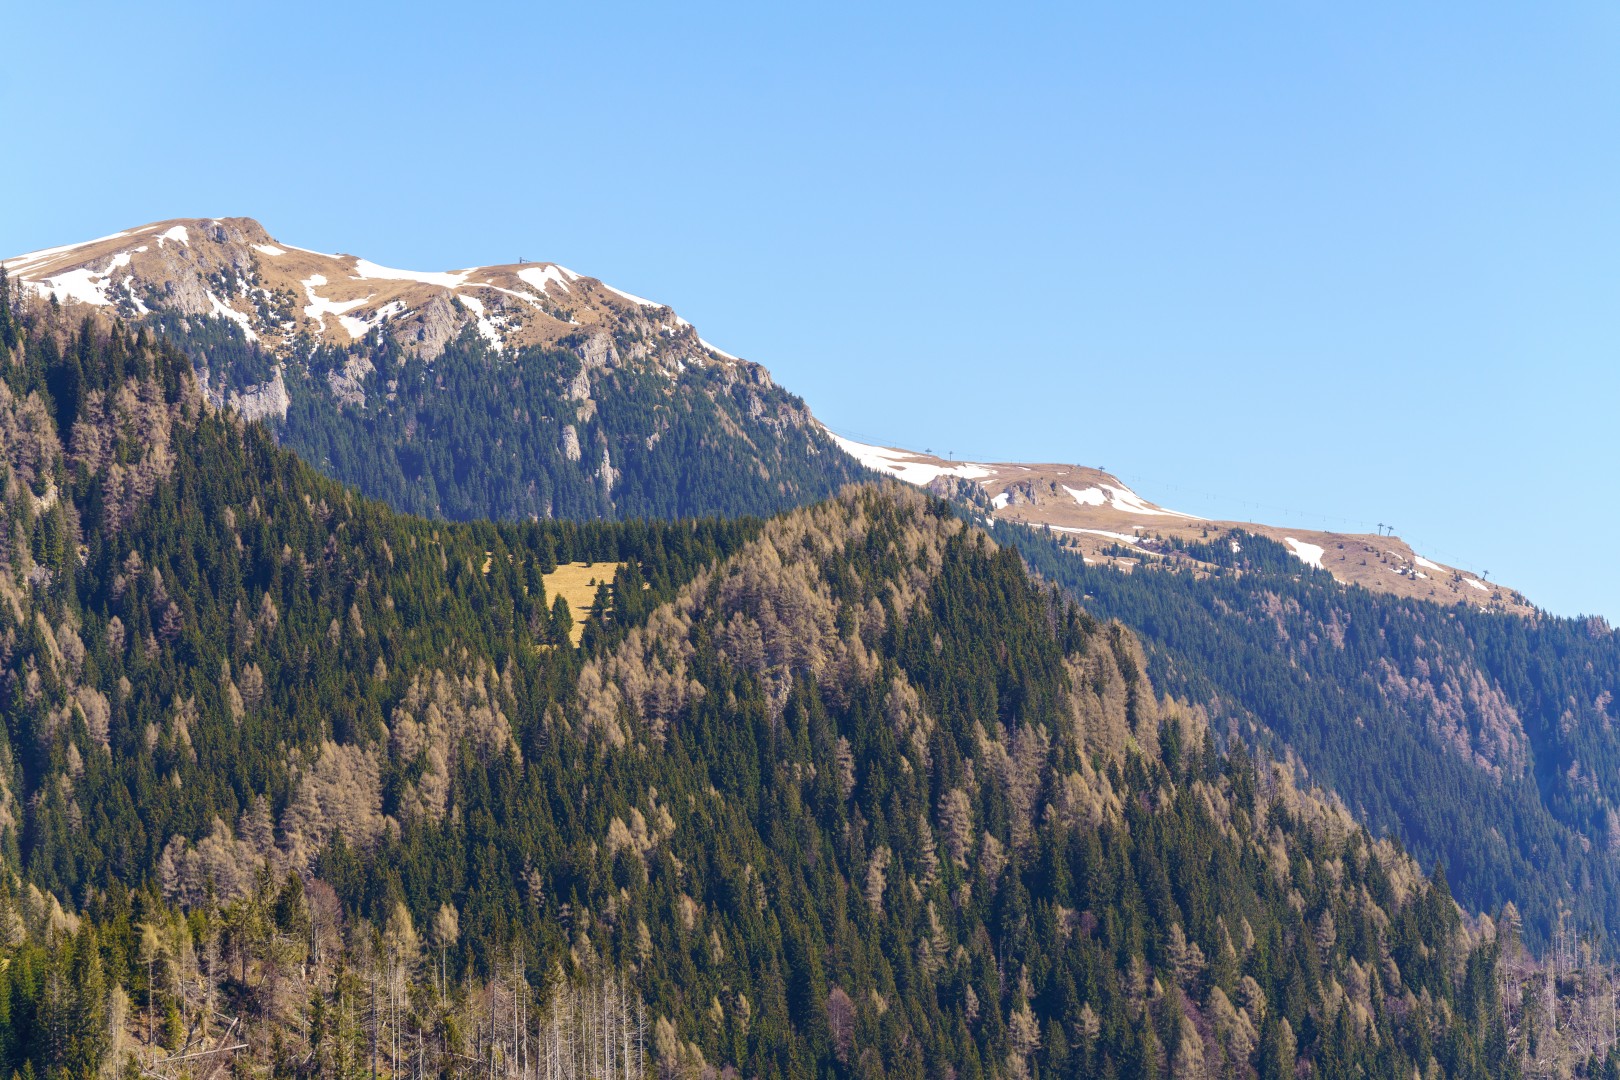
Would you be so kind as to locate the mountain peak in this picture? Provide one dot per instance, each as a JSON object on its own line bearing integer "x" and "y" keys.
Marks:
{"x": 280, "y": 294}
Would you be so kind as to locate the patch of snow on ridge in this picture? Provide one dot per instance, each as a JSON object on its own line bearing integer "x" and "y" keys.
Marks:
{"x": 309, "y": 251}
{"x": 1000, "y": 501}
{"x": 539, "y": 276}
{"x": 366, "y": 270}
{"x": 1309, "y": 554}
{"x": 632, "y": 297}
{"x": 1421, "y": 561}
{"x": 902, "y": 464}
{"x": 1122, "y": 499}
{"x": 177, "y": 233}
{"x": 1476, "y": 584}
{"x": 16, "y": 262}
{"x": 269, "y": 249}
{"x": 721, "y": 353}
{"x": 1130, "y": 502}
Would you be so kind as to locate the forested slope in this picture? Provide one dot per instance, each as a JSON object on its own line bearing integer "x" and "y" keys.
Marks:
{"x": 294, "y": 778}
{"x": 583, "y": 430}
{"x": 1482, "y": 740}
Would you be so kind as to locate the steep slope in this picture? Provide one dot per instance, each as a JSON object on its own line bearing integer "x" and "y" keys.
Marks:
{"x": 1105, "y": 521}
{"x": 1482, "y": 740}
{"x": 845, "y": 793}
{"x": 524, "y": 391}
{"x": 1443, "y": 710}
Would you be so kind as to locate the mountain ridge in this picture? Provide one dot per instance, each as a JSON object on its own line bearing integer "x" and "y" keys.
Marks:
{"x": 292, "y": 301}
{"x": 280, "y": 293}
{"x": 1105, "y": 521}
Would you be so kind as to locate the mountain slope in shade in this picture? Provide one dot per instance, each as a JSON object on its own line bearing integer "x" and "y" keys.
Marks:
{"x": 281, "y": 295}
{"x": 1104, "y": 520}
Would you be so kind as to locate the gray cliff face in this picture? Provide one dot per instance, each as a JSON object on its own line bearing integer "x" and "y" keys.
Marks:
{"x": 265, "y": 400}
{"x": 429, "y": 329}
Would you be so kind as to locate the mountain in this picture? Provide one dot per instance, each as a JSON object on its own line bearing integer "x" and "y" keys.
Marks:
{"x": 1106, "y": 522}
{"x": 523, "y": 391}
{"x": 1443, "y": 711}
{"x": 298, "y": 782}
{"x": 288, "y": 297}
{"x": 513, "y": 419}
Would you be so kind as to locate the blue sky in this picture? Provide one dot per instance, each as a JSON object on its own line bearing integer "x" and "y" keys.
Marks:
{"x": 1319, "y": 265}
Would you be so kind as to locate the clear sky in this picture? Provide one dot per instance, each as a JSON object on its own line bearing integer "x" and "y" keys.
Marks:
{"x": 1318, "y": 264}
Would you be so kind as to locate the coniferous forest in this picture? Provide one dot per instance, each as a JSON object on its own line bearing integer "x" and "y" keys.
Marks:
{"x": 1485, "y": 741}
{"x": 538, "y": 434}
{"x": 296, "y": 784}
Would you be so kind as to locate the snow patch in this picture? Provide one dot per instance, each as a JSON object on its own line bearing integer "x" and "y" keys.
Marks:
{"x": 358, "y": 327}
{"x": 318, "y": 308}
{"x": 1122, "y": 499}
{"x": 1091, "y": 496}
{"x": 1309, "y": 554}
{"x": 903, "y": 465}
{"x": 224, "y": 310}
{"x": 1421, "y": 561}
{"x": 84, "y": 285}
{"x": 177, "y": 233}
{"x": 1130, "y": 502}
{"x": 1124, "y": 538}
{"x": 526, "y": 297}
{"x": 539, "y": 276}
{"x": 1475, "y": 583}
{"x": 485, "y": 327}
{"x": 17, "y": 262}
{"x": 366, "y": 270}
{"x": 269, "y": 249}
{"x": 1000, "y": 501}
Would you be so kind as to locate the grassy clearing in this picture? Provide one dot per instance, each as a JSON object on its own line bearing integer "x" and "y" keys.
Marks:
{"x": 576, "y": 583}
